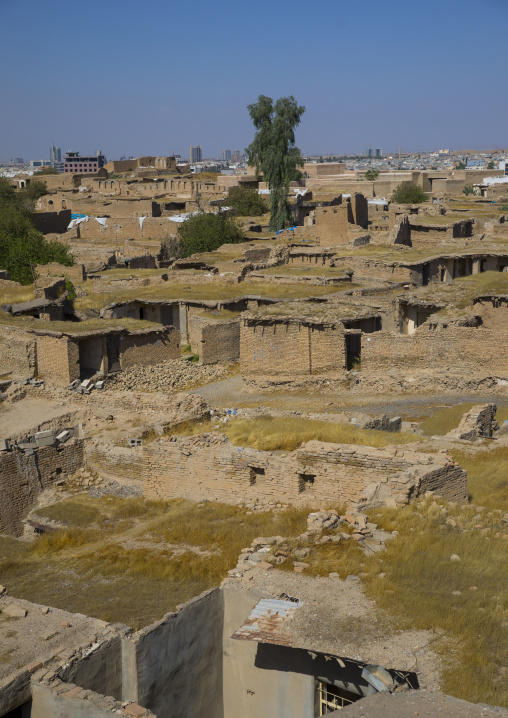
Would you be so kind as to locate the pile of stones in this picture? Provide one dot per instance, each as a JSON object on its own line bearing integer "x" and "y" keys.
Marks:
{"x": 171, "y": 375}
{"x": 266, "y": 552}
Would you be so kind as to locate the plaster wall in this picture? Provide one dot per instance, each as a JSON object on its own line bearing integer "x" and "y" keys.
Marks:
{"x": 249, "y": 690}
{"x": 175, "y": 665}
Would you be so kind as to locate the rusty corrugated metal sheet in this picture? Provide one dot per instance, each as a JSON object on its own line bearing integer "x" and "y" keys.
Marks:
{"x": 266, "y": 622}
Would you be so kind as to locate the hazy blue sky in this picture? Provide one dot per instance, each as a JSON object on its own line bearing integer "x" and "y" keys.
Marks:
{"x": 152, "y": 76}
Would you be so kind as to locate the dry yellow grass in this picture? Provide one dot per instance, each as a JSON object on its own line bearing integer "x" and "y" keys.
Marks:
{"x": 90, "y": 325}
{"x": 418, "y": 580}
{"x": 286, "y": 434}
{"x": 16, "y": 295}
{"x": 130, "y": 560}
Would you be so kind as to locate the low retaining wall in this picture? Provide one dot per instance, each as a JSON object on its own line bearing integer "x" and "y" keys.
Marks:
{"x": 208, "y": 466}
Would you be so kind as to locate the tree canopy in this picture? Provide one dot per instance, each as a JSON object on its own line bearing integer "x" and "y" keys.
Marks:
{"x": 372, "y": 175}
{"x": 21, "y": 245}
{"x": 207, "y": 232}
{"x": 273, "y": 150}
{"x": 408, "y": 193}
{"x": 246, "y": 202}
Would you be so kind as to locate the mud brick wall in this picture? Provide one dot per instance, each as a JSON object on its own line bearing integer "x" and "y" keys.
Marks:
{"x": 17, "y": 353}
{"x": 22, "y": 479}
{"x": 57, "y": 359}
{"x": 127, "y": 228}
{"x": 220, "y": 342}
{"x": 115, "y": 461}
{"x": 465, "y": 348}
{"x": 149, "y": 348}
{"x": 208, "y": 466}
{"x": 295, "y": 348}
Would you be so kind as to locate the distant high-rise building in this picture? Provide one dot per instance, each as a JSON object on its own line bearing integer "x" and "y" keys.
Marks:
{"x": 370, "y": 152}
{"x": 379, "y": 152}
{"x": 83, "y": 165}
{"x": 225, "y": 155}
{"x": 236, "y": 156}
{"x": 55, "y": 154}
{"x": 195, "y": 154}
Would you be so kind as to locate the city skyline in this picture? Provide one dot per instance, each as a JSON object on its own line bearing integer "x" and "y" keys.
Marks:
{"x": 410, "y": 81}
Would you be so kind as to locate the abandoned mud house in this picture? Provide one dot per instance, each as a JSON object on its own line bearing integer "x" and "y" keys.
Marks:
{"x": 327, "y": 224}
{"x": 303, "y": 338}
{"x": 61, "y": 357}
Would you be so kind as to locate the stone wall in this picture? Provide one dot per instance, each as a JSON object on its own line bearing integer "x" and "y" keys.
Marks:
{"x": 23, "y": 477}
{"x": 54, "y": 269}
{"x": 290, "y": 347}
{"x": 48, "y": 222}
{"x": 114, "y": 461}
{"x": 208, "y": 466}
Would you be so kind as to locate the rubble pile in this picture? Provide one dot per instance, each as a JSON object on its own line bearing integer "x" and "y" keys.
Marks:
{"x": 266, "y": 552}
{"x": 171, "y": 375}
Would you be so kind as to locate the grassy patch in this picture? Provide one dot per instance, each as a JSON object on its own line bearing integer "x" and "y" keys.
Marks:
{"x": 287, "y": 433}
{"x": 487, "y": 476}
{"x": 417, "y": 581}
{"x": 418, "y": 586}
{"x": 212, "y": 291}
{"x": 16, "y": 295}
{"x": 90, "y": 325}
{"x": 136, "y": 560}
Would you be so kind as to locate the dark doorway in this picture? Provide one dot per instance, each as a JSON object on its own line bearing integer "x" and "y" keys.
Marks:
{"x": 306, "y": 482}
{"x": 353, "y": 351}
{"x": 425, "y": 274}
{"x": 113, "y": 349}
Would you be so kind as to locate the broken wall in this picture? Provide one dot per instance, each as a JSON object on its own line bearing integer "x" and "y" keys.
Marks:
{"x": 209, "y": 466}
{"x": 152, "y": 347}
{"x": 23, "y": 477}
{"x": 58, "y": 358}
{"x": 174, "y": 666}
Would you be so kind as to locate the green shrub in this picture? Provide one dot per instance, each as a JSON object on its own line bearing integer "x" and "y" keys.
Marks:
{"x": 408, "y": 193}
{"x": 372, "y": 175}
{"x": 21, "y": 245}
{"x": 207, "y": 232}
{"x": 246, "y": 202}
{"x": 468, "y": 189}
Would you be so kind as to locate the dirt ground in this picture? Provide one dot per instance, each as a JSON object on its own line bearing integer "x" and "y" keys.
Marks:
{"x": 337, "y": 618}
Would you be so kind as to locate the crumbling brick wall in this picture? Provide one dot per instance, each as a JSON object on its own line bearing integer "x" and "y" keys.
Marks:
{"x": 114, "y": 461}
{"x": 209, "y": 466}
{"x": 24, "y": 477}
{"x": 57, "y": 358}
{"x": 292, "y": 347}
{"x": 17, "y": 353}
{"x": 220, "y": 342}
{"x": 149, "y": 347}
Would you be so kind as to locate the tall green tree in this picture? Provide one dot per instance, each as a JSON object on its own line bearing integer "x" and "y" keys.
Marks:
{"x": 273, "y": 150}
{"x": 21, "y": 245}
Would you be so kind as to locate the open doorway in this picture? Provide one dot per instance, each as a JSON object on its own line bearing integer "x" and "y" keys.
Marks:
{"x": 353, "y": 351}
{"x": 113, "y": 349}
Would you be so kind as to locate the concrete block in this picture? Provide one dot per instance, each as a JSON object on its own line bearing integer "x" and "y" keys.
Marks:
{"x": 134, "y": 442}
{"x": 63, "y": 436}
{"x": 86, "y": 383}
{"x": 5, "y": 445}
{"x": 100, "y": 384}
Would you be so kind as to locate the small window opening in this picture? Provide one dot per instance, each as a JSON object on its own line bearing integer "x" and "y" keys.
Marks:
{"x": 256, "y": 472}
{"x": 443, "y": 274}
{"x": 58, "y": 471}
{"x": 306, "y": 482}
{"x": 141, "y": 312}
